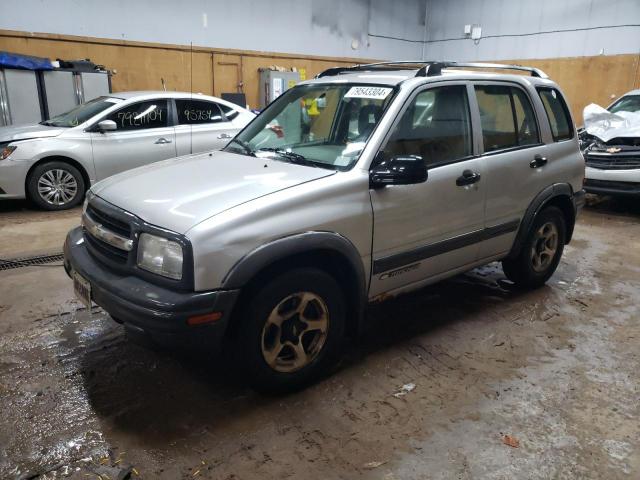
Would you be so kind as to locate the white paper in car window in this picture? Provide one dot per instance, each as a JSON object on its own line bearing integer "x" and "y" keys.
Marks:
{"x": 377, "y": 93}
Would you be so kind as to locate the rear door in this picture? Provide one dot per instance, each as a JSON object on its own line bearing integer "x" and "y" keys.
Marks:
{"x": 430, "y": 228}
{"x": 515, "y": 160}
{"x": 202, "y": 126}
{"x": 144, "y": 135}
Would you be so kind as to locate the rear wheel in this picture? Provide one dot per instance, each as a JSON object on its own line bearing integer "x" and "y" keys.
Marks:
{"x": 541, "y": 252}
{"x": 56, "y": 186}
{"x": 292, "y": 331}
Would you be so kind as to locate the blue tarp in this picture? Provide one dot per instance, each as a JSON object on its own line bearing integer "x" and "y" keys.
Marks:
{"x": 15, "y": 60}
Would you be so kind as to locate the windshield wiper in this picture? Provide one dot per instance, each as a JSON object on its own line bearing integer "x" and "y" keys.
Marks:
{"x": 46, "y": 122}
{"x": 291, "y": 156}
{"x": 245, "y": 146}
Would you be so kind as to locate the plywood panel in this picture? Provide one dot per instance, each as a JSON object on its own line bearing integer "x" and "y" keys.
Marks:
{"x": 586, "y": 80}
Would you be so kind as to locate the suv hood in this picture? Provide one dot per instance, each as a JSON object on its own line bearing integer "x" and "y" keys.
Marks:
{"x": 179, "y": 193}
{"x": 26, "y": 132}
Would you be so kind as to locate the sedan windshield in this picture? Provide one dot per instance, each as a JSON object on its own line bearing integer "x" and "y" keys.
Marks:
{"x": 316, "y": 125}
{"x": 629, "y": 103}
{"x": 82, "y": 113}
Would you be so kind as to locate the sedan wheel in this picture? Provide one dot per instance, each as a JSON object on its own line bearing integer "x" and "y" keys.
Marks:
{"x": 57, "y": 187}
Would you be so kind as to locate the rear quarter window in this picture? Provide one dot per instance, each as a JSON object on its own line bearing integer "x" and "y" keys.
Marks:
{"x": 557, "y": 113}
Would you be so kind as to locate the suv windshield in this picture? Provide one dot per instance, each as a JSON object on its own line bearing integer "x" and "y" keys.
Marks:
{"x": 629, "y": 103}
{"x": 82, "y": 113}
{"x": 317, "y": 125}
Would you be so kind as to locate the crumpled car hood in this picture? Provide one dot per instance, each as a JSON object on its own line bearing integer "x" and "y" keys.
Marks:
{"x": 605, "y": 125}
{"x": 179, "y": 193}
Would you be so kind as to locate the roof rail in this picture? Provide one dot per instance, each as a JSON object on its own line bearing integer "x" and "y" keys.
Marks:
{"x": 427, "y": 68}
{"x": 435, "y": 68}
{"x": 407, "y": 64}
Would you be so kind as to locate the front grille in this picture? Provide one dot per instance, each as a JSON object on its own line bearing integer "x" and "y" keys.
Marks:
{"x": 108, "y": 221}
{"x": 613, "y": 162}
{"x": 104, "y": 249}
{"x": 100, "y": 249}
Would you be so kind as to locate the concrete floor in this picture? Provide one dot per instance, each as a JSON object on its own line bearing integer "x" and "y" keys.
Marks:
{"x": 557, "y": 370}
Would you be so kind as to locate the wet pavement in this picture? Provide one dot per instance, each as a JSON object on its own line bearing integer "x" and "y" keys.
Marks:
{"x": 557, "y": 370}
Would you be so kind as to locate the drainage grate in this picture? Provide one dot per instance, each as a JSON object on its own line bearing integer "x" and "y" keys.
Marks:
{"x": 38, "y": 260}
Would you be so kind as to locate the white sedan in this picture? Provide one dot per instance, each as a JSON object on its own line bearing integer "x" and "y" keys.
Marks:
{"x": 53, "y": 163}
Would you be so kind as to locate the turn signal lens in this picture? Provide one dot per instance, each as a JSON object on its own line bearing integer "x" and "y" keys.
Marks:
{"x": 6, "y": 151}
{"x": 206, "y": 318}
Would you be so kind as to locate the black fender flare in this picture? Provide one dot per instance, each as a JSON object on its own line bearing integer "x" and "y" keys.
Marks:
{"x": 265, "y": 255}
{"x": 537, "y": 204}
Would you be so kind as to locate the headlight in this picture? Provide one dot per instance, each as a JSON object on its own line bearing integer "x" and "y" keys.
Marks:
{"x": 160, "y": 256}
{"x": 6, "y": 151}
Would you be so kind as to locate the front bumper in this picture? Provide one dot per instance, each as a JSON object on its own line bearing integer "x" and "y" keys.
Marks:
{"x": 147, "y": 309}
{"x": 612, "y": 182}
{"x": 611, "y": 187}
{"x": 13, "y": 176}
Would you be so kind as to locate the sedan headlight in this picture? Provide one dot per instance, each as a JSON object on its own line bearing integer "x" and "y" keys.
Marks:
{"x": 160, "y": 256}
{"x": 6, "y": 151}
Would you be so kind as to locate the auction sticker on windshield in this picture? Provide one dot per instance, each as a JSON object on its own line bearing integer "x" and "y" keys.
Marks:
{"x": 379, "y": 93}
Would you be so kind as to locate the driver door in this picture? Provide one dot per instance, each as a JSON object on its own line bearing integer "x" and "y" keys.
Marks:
{"x": 427, "y": 229}
{"x": 144, "y": 135}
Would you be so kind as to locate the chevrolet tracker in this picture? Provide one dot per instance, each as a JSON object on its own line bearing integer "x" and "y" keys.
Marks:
{"x": 363, "y": 183}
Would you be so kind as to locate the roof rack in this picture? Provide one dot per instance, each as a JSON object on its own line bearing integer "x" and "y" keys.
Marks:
{"x": 427, "y": 68}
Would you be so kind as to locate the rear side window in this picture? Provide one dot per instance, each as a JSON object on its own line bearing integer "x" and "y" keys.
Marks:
{"x": 558, "y": 113}
{"x": 506, "y": 117}
{"x": 141, "y": 115}
{"x": 196, "y": 112}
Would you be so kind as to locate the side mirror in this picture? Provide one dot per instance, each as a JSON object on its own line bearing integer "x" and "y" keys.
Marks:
{"x": 398, "y": 170}
{"x": 107, "y": 126}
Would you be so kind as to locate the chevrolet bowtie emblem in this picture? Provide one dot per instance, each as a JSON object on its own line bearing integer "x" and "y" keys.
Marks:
{"x": 613, "y": 150}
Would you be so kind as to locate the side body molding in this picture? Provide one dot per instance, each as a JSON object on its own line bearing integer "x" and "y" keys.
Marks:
{"x": 314, "y": 241}
{"x": 537, "y": 204}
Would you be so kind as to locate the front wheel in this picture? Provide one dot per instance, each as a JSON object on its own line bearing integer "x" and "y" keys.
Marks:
{"x": 541, "y": 252}
{"x": 292, "y": 331}
{"x": 56, "y": 186}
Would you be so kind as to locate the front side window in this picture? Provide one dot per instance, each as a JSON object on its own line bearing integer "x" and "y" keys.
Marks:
{"x": 196, "y": 112}
{"x": 436, "y": 126}
{"x": 141, "y": 115}
{"x": 506, "y": 116}
{"x": 82, "y": 113}
{"x": 320, "y": 125}
{"x": 558, "y": 113}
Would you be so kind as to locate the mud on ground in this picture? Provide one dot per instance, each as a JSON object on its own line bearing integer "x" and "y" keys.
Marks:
{"x": 556, "y": 369}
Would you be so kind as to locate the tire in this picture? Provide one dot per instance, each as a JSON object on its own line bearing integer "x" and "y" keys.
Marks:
{"x": 268, "y": 354}
{"x": 533, "y": 267}
{"x": 65, "y": 179}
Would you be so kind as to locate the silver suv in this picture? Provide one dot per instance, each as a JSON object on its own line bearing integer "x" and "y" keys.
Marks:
{"x": 361, "y": 184}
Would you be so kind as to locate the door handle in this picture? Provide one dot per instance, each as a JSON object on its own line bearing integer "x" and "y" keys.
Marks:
{"x": 538, "y": 161}
{"x": 224, "y": 135}
{"x": 162, "y": 141}
{"x": 468, "y": 177}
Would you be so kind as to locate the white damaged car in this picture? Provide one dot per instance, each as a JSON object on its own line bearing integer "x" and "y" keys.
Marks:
{"x": 610, "y": 143}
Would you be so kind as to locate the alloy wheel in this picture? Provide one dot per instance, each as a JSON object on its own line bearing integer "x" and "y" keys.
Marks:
{"x": 57, "y": 187}
{"x": 295, "y": 332}
{"x": 545, "y": 246}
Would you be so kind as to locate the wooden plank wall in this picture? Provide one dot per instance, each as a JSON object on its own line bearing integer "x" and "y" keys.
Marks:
{"x": 140, "y": 66}
{"x": 584, "y": 80}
